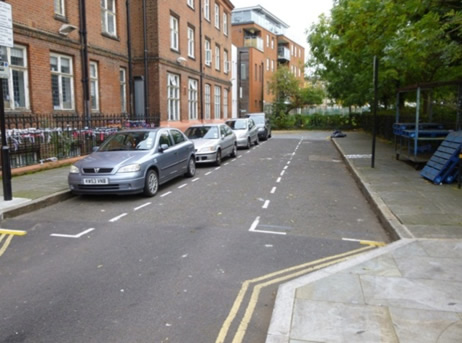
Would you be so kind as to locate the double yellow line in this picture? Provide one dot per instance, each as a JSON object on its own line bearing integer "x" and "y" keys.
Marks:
{"x": 274, "y": 278}
{"x": 8, "y": 234}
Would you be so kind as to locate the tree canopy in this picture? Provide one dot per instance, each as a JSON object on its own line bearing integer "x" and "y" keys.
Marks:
{"x": 414, "y": 40}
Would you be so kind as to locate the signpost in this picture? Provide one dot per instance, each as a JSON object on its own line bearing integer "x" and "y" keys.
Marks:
{"x": 6, "y": 41}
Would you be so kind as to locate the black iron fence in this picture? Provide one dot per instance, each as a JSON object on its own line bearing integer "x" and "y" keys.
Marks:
{"x": 40, "y": 138}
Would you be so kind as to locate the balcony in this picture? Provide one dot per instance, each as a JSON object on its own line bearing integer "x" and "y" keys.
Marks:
{"x": 283, "y": 54}
{"x": 253, "y": 42}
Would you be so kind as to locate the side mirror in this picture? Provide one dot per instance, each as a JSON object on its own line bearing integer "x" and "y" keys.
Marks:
{"x": 163, "y": 147}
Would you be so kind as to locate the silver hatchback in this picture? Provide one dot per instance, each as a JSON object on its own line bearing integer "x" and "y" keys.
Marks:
{"x": 246, "y": 131}
{"x": 134, "y": 161}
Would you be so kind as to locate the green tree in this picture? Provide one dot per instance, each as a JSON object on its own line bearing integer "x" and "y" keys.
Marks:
{"x": 415, "y": 41}
{"x": 290, "y": 93}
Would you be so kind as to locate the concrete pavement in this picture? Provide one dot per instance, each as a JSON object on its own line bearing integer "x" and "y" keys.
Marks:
{"x": 408, "y": 291}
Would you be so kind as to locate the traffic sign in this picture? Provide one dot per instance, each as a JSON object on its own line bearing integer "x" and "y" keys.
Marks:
{"x": 6, "y": 25}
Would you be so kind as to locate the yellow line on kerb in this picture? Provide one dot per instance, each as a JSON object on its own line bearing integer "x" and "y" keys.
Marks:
{"x": 373, "y": 243}
{"x": 12, "y": 232}
{"x": 307, "y": 267}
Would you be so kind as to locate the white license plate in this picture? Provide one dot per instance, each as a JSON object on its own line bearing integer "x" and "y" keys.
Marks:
{"x": 96, "y": 181}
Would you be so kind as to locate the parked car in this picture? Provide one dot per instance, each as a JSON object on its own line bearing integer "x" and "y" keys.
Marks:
{"x": 134, "y": 161}
{"x": 212, "y": 142}
{"x": 263, "y": 124}
{"x": 246, "y": 131}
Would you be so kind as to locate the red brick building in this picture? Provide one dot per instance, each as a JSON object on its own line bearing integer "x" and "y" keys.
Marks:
{"x": 173, "y": 54}
{"x": 262, "y": 47}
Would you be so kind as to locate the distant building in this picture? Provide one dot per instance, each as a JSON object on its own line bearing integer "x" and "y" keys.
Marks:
{"x": 262, "y": 48}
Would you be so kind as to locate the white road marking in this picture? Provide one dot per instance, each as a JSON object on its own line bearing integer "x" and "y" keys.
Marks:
{"x": 217, "y": 168}
{"x": 278, "y": 180}
{"x": 253, "y": 228}
{"x": 140, "y": 207}
{"x": 282, "y": 173}
{"x": 273, "y": 190}
{"x": 165, "y": 194}
{"x": 182, "y": 186}
{"x": 72, "y": 236}
{"x": 196, "y": 179}
{"x": 207, "y": 174}
{"x": 226, "y": 163}
{"x": 118, "y": 217}
{"x": 266, "y": 204}
{"x": 233, "y": 160}
{"x": 285, "y": 168}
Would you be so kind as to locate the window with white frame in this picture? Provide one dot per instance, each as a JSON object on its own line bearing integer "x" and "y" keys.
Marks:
{"x": 192, "y": 99}
{"x": 267, "y": 41}
{"x": 225, "y": 24}
{"x": 94, "y": 97}
{"x": 123, "y": 90}
{"x": 225, "y": 103}
{"x": 174, "y": 44}
{"x": 173, "y": 97}
{"x": 191, "y": 44}
{"x": 62, "y": 84}
{"x": 108, "y": 17}
{"x": 272, "y": 65}
{"x": 217, "y": 16}
{"x": 217, "y": 106}
{"x": 272, "y": 42}
{"x": 267, "y": 64}
{"x": 207, "y": 9}
{"x": 15, "y": 87}
{"x": 59, "y": 8}
{"x": 191, "y": 3}
{"x": 217, "y": 57}
{"x": 208, "y": 99}
{"x": 208, "y": 52}
{"x": 225, "y": 62}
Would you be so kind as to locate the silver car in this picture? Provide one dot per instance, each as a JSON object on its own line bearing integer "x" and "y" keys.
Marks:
{"x": 246, "y": 131}
{"x": 134, "y": 161}
{"x": 212, "y": 142}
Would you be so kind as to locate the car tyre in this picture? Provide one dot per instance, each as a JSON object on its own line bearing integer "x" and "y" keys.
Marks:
{"x": 191, "y": 171}
{"x": 151, "y": 183}
{"x": 234, "y": 152}
{"x": 257, "y": 140}
{"x": 249, "y": 143}
{"x": 218, "y": 159}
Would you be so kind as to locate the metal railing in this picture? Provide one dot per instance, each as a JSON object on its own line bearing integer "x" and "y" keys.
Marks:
{"x": 40, "y": 138}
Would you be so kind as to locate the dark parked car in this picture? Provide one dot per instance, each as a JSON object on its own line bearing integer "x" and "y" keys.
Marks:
{"x": 263, "y": 124}
{"x": 134, "y": 161}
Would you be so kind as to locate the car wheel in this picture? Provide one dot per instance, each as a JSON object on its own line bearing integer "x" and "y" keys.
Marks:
{"x": 191, "y": 167}
{"x": 257, "y": 140}
{"x": 151, "y": 183}
{"x": 269, "y": 136}
{"x": 218, "y": 159}
{"x": 248, "y": 144}
{"x": 234, "y": 152}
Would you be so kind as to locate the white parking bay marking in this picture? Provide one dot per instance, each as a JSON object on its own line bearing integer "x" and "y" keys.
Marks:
{"x": 253, "y": 228}
{"x": 282, "y": 173}
{"x": 196, "y": 179}
{"x": 273, "y": 190}
{"x": 278, "y": 180}
{"x": 72, "y": 236}
{"x": 217, "y": 168}
{"x": 140, "y": 207}
{"x": 207, "y": 174}
{"x": 118, "y": 217}
{"x": 266, "y": 204}
{"x": 182, "y": 186}
{"x": 165, "y": 194}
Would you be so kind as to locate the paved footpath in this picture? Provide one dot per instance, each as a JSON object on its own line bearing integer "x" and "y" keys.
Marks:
{"x": 408, "y": 291}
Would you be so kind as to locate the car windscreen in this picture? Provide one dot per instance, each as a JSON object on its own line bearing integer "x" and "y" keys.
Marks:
{"x": 258, "y": 119}
{"x": 139, "y": 140}
{"x": 239, "y": 124}
{"x": 207, "y": 132}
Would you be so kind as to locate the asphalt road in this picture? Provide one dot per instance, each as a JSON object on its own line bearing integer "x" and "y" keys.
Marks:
{"x": 200, "y": 262}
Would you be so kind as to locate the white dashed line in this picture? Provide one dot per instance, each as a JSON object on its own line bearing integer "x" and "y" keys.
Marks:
{"x": 117, "y": 218}
{"x": 196, "y": 179}
{"x": 72, "y": 236}
{"x": 273, "y": 190}
{"x": 278, "y": 180}
{"x": 282, "y": 173}
{"x": 207, "y": 174}
{"x": 217, "y": 168}
{"x": 266, "y": 204}
{"x": 140, "y": 207}
{"x": 165, "y": 194}
{"x": 182, "y": 186}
